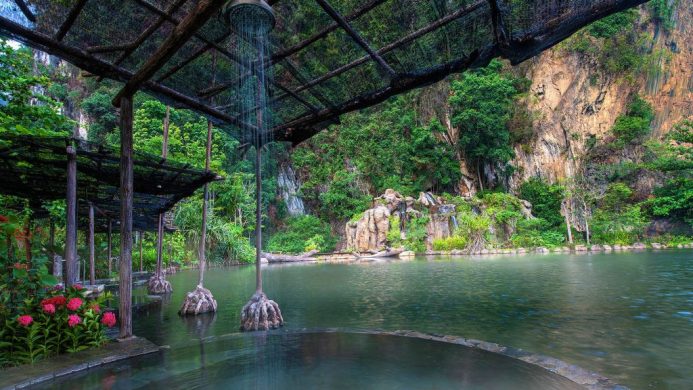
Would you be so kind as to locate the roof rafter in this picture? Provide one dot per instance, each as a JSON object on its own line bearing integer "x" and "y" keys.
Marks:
{"x": 178, "y": 37}
{"x": 334, "y": 14}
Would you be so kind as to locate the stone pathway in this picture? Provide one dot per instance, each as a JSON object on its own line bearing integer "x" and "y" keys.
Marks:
{"x": 24, "y": 376}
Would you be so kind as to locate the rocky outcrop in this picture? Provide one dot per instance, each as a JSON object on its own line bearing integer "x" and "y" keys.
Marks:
{"x": 369, "y": 233}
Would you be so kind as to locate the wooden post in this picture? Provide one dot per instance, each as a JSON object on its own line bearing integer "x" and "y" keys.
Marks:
{"x": 126, "y": 199}
{"x": 203, "y": 236}
{"x": 160, "y": 230}
{"x": 55, "y": 260}
{"x": 141, "y": 236}
{"x": 110, "y": 247}
{"x": 92, "y": 250}
{"x": 71, "y": 223}
{"x": 258, "y": 216}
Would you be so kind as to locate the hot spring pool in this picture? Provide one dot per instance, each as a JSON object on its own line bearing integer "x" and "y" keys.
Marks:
{"x": 319, "y": 361}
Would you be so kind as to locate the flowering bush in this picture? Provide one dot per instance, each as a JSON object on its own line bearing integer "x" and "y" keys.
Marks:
{"x": 62, "y": 321}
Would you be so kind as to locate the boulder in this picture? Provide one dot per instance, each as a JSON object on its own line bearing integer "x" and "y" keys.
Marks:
{"x": 370, "y": 232}
{"x": 541, "y": 249}
{"x": 407, "y": 255}
{"x": 580, "y": 248}
{"x": 596, "y": 248}
{"x": 656, "y": 245}
{"x": 639, "y": 245}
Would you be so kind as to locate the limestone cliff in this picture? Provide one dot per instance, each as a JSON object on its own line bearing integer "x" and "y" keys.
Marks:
{"x": 575, "y": 104}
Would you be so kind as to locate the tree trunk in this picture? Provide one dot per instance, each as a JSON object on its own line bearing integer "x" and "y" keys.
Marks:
{"x": 126, "y": 199}
{"x": 203, "y": 235}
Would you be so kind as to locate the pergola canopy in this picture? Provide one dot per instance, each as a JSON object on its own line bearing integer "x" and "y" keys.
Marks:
{"x": 34, "y": 168}
{"x": 328, "y": 58}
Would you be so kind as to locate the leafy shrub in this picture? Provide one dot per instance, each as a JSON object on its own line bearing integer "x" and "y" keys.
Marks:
{"x": 302, "y": 234}
{"x": 613, "y": 24}
{"x": 622, "y": 227}
{"x": 635, "y": 123}
{"x": 450, "y": 243}
{"x": 536, "y": 232}
{"x": 545, "y": 199}
{"x": 416, "y": 234}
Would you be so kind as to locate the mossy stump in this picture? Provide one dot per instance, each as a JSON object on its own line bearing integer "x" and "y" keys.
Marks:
{"x": 261, "y": 313}
{"x": 198, "y": 301}
{"x": 159, "y": 285}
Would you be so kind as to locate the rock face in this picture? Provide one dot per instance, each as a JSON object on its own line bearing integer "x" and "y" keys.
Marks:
{"x": 369, "y": 233}
{"x": 576, "y": 103}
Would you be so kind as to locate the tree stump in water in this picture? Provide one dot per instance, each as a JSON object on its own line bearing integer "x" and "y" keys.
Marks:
{"x": 198, "y": 301}
{"x": 159, "y": 285}
{"x": 261, "y": 313}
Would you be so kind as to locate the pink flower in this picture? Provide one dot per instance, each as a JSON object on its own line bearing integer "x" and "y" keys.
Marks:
{"x": 49, "y": 308}
{"x": 95, "y": 307}
{"x": 25, "y": 320}
{"x": 109, "y": 319}
{"x": 74, "y": 304}
{"x": 73, "y": 320}
{"x": 77, "y": 286}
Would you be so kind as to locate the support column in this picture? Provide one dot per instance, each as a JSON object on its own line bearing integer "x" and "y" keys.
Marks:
{"x": 205, "y": 198}
{"x": 110, "y": 247}
{"x": 71, "y": 222}
{"x": 160, "y": 230}
{"x": 55, "y": 260}
{"x": 141, "y": 236}
{"x": 126, "y": 199}
{"x": 92, "y": 249}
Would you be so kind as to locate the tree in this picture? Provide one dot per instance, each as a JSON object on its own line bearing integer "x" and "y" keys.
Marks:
{"x": 481, "y": 104}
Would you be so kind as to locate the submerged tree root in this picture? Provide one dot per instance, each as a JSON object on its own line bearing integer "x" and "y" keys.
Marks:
{"x": 198, "y": 301}
{"x": 261, "y": 313}
{"x": 159, "y": 285}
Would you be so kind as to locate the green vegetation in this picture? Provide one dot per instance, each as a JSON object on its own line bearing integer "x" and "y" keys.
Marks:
{"x": 545, "y": 199}
{"x": 635, "y": 123}
{"x": 481, "y": 103}
{"x": 302, "y": 234}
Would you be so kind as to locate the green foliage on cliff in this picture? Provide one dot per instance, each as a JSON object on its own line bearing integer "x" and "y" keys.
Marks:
{"x": 482, "y": 105}
{"x": 302, "y": 234}
{"x": 635, "y": 123}
{"x": 545, "y": 199}
{"x": 369, "y": 152}
{"x": 24, "y": 110}
{"x": 613, "y": 24}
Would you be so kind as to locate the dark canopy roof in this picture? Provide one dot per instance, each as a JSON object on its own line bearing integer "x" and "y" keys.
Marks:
{"x": 34, "y": 168}
{"x": 327, "y": 59}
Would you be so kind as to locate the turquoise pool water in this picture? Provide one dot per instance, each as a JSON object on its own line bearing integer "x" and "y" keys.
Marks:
{"x": 625, "y": 315}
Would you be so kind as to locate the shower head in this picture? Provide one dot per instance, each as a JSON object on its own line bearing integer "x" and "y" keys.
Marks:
{"x": 241, "y": 13}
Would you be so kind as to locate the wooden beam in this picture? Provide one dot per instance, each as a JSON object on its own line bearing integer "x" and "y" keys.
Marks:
{"x": 70, "y": 20}
{"x": 178, "y": 37}
{"x": 388, "y": 48}
{"x": 110, "y": 247}
{"x": 92, "y": 249}
{"x": 323, "y": 33}
{"x": 148, "y": 32}
{"x": 84, "y": 60}
{"x": 337, "y": 17}
{"x": 71, "y": 222}
{"x": 25, "y": 10}
{"x": 202, "y": 256}
{"x": 126, "y": 198}
{"x": 160, "y": 229}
